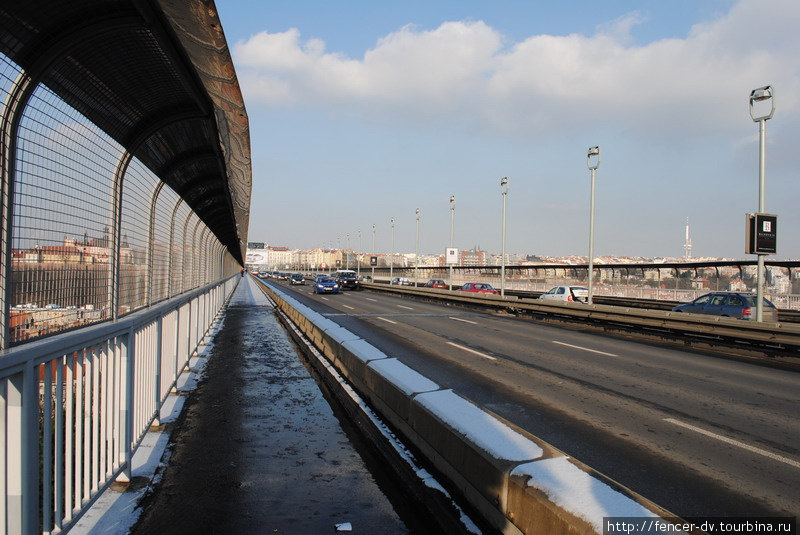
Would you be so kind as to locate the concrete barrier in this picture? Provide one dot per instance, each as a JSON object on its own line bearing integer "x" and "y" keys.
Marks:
{"x": 517, "y": 482}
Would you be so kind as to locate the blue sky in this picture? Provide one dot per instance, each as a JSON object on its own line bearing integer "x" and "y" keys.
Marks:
{"x": 363, "y": 111}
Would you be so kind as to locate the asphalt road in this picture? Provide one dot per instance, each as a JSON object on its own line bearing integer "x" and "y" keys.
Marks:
{"x": 698, "y": 435}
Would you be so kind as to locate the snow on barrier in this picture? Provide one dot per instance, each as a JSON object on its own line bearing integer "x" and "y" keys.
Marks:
{"x": 517, "y": 482}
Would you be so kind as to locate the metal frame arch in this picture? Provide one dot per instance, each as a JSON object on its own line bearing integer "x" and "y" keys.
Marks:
{"x": 151, "y": 243}
{"x": 182, "y": 286}
{"x": 172, "y": 245}
{"x": 193, "y": 254}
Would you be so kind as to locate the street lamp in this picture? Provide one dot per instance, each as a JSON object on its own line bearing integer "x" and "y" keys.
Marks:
{"x": 760, "y": 116}
{"x": 373, "y": 253}
{"x": 592, "y": 162}
{"x": 504, "y": 193}
{"x": 391, "y": 257}
{"x": 358, "y": 259}
{"x": 416, "y": 254}
{"x": 452, "y": 231}
{"x": 347, "y": 262}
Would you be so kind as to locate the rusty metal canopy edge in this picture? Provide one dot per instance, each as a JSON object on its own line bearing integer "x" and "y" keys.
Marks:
{"x": 157, "y": 77}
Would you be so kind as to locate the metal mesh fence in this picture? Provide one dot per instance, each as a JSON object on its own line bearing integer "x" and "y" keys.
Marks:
{"x": 166, "y": 202}
{"x": 75, "y": 256}
{"x": 137, "y": 198}
{"x": 61, "y": 228}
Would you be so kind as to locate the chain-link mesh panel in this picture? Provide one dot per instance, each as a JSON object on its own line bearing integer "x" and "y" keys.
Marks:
{"x": 162, "y": 244}
{"x": 177, "y": 263}
{"x": 62, "y": 219}
{"x": 137, "y": 195}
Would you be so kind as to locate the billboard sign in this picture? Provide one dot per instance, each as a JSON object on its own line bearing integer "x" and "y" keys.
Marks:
{"x": 451, "y": 256}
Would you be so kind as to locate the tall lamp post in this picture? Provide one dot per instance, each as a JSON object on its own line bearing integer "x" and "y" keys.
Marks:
{"x": 452, "y": 233}
{"x": 373, "y": 253}
{"x": 347, "y": 262}
{"x": 760, "y": 116}
{"x": 358, "y": 258}
{"x": 391, "y": 257}
{"x": 592, "y": 162}
{"x": 416, "y": 254}
{"x": 504, "y": 193}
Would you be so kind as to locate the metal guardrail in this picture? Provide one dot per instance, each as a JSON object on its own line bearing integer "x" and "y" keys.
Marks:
{"x": 75, "y": 406}
{"x": 777, "y": 341}
{"x": 784, "y": 316}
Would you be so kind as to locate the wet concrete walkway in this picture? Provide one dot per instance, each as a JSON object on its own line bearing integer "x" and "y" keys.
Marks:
{"x": 258, "y": 448}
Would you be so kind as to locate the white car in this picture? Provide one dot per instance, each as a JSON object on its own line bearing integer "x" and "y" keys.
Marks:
{"x": 579, "y": 294}
{"x": 401, "y": 281}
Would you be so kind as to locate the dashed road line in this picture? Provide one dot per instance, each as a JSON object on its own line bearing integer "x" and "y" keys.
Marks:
{"x": 484, "y": 355}
{"x": 387, "y": 321}
{"x": 733, "y": 442}
{"x": 348, "y": 306}
{"x": 585, "y": 349}
{"x": 463, "y": 320}
{"x": 371, "y": 299}
{"x": 403, "y": 306}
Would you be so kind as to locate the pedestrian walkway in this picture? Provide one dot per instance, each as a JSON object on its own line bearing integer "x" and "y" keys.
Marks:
{"x": 258, "y": 449}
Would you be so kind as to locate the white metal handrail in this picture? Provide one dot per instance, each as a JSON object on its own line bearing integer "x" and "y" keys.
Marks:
{"x": 74, "y": 407}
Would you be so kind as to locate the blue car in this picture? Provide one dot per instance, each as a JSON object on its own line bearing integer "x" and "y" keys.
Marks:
{"x": 326, "y": 285}
{"x": 730, "y": 304}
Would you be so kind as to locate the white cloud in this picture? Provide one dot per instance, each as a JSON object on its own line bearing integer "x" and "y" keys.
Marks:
{"x": 463, "y": 70}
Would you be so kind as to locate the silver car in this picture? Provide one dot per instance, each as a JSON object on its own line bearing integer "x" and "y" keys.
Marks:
{"x": 578, "y": 294}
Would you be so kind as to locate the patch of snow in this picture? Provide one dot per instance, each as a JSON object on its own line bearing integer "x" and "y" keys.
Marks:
{"x": 364, "y": 351}
{"x": 114, "y": 513}
{"x": 341, "y": 335}
{"x": 483, "y": 429}
{"x": 344, "y": 526}
{"x": 578, "y": 492}
{"x": 406, "y": 379}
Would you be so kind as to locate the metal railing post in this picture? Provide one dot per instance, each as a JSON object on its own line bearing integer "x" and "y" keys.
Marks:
{"x": 127, "y": 346}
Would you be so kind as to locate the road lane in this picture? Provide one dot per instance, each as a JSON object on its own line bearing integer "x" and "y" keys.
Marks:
{"x": 617, "y": 412}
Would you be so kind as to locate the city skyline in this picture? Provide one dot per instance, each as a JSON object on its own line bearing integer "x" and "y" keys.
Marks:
{"x": 360, "y": 113}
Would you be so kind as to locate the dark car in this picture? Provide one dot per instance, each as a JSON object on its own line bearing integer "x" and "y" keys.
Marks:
{"x": 478, "y": 287}
{"x": 435, "y": 283}
{"x": 297, "y": 278}
{"x": 730, "y": 304}
{"x": 347, "y": 279}
{"x": 325, "y": 285}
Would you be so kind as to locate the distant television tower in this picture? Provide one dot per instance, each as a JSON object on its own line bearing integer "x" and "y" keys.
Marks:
{"x": 687, "y": 244}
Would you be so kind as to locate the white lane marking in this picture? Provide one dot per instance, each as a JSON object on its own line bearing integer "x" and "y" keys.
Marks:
{"x": 371, "y": 299}
{"x": 748, "y": 447}
{"x": 465, "y": 321}
{"x": 585, "y": 349}
{"x": 472, "y": 351}
{"x": 387, "y": 321}
{"x": 403, "y": 306}
{"x": 348, "y": 306}
{"x": 324, "y": 298}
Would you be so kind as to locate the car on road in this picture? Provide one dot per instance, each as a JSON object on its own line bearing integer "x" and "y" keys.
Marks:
{"x": 326, "y": 285}
{"x": 478, "y": 287}
{"x": 436, "y": 283}
{"x": 729, "y": 304}
{"x": 297, "y": 278}
{"x": 578, "y": 294}
{"x": 401, "y": 281}
{"x": 347, "y": 279}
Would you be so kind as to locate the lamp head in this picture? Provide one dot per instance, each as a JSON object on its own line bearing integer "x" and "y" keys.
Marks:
{"x": 593, "y": 153}
{"x": 760, "y": 95}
